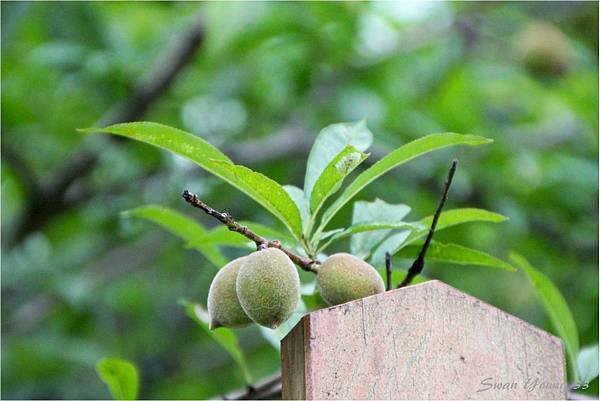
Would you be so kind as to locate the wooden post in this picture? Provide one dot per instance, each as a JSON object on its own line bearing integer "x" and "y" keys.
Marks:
{"x": 426, "y": 341}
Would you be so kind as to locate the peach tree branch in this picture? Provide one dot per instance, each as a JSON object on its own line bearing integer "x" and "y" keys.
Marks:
{"x": 304, "y": 263}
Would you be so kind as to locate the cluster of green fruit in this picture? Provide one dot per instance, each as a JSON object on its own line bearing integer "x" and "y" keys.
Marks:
{"x": 264, "y": 287}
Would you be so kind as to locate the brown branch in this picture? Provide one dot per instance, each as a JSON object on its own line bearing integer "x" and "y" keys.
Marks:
{"x": 304, "y": 263}
{"x": 50, "y": 200}
{"x": 419, "y": 263}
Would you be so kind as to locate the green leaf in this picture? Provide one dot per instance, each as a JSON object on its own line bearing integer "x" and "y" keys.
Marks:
{"x": 222, "y": 235}
{"x": 455, "y": 217}
{"x": 331, "y": 178}
{"x": 214, "y": 161}
{"x": 378, "y": 210}
{"x": 270, "y": 194}
{"x": 369, "y": 227}
{"x": 587, "y": 363}
{"x": 225, "y": 337}
{"x": 327, "y": 234}
{"x": 391, "y": 244}
{"x": 556, "y": 307}
{"x": 329, "y": 143}
{"x": 274, "y": 336}
{"x": 447, "y": 219}
{"x": 399, "y": 275}
{"x": 182, "y": 226}
{"x": 120, "y": 376}
{"x": 314, "y": 301}
{"x": 453, "y": 253}
{"x": 299, "y": 199}
{"x": 399, "y": 156}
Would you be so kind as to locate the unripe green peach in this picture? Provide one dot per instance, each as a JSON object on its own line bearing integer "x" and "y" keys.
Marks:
{"x": 268, "y": 287}
{"x": 544, "y": 48}
{"x": 344, "y": 277}
{"x": 224, "y": 309}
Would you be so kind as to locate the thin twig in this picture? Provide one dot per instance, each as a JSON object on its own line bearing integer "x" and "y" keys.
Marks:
{"x": 419, "y": 263}
{"x": 269, "y": 389}
{"x": 388, "y": 271}
{"x": 261, "y": 242}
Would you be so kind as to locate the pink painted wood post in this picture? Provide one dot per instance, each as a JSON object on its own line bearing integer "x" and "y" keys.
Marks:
{"x": 426, "y": 341}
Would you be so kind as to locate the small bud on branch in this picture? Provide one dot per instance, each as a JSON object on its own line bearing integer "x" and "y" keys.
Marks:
{"x": 388, "y": 271}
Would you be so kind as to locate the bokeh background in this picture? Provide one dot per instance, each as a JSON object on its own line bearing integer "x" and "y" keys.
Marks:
{"x": 259, "y": 80}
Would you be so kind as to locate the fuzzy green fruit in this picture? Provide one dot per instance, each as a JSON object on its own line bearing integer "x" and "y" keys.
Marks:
{"x": 268, "y": 287}
{"x": 344, "y": 277}
{"x": 224, "y": 309}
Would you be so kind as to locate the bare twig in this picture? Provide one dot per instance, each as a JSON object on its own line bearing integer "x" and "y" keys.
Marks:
{"x": 261, "y": 242}
{"x": 388, "y": 271}
{"x": 419, "y": 263}
{"x": 268, "y": 390}
{"x": 49, "y": 201}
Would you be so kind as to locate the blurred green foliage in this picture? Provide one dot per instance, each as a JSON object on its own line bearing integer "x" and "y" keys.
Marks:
{"x": 90, "y": 284}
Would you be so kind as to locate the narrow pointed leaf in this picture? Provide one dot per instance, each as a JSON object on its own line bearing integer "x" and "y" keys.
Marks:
{"x": 214, "y": 161}
{"x": 222, "y": 235}
{"x": 330, "y": 180}
{"x": 331, "y": 141}
{"x": 399, "y": 156}
{"x": 120, "y": 376}
{"x": 447, "y": 219}
{"x": 457, "y": 254}
{"x": 269, "y": 194}
{"x": 375, "y": 226}
{"x": 455, "y": 217}
{"x": 182, "y": 226}
{"x": 328, "y": 234}
{"x": 369, "y": 227}
{"x": 399, "y": 275}
{"x": 556, "y": 307}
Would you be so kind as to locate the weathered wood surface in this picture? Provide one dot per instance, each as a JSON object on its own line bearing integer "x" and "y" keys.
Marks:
{"x": 427, "y": 341}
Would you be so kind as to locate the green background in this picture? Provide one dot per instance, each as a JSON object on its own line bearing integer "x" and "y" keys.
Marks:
{"x": 83, "y": 283}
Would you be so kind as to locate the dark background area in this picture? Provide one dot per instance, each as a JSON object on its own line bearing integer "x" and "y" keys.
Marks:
{"x": 259, "y": 80}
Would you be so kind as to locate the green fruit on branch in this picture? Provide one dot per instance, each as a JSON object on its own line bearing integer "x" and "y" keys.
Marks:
{"x": 224, "y": 309}
{"x": 344, "y": 277}
{"x": 268, "y": 287}
{"x": 544, "y": 48}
